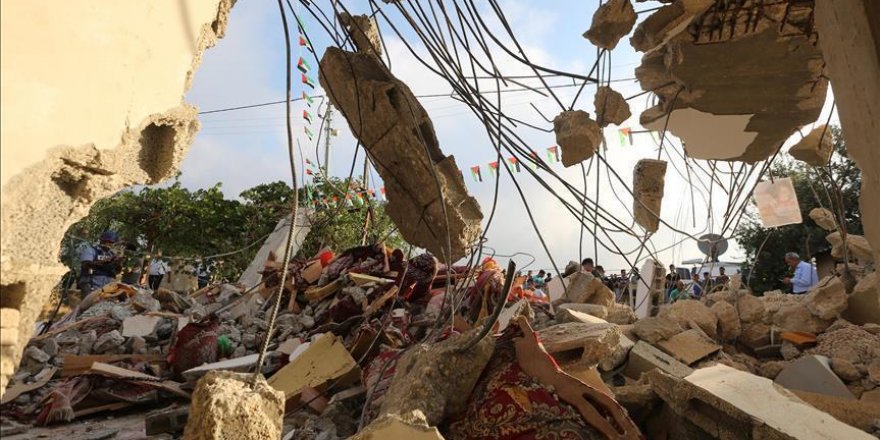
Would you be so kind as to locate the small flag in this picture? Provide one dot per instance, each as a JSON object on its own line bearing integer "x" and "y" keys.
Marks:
{"x": 625, "y": 135}
{"x": 308, "y": 99}
{"x": 307, "y": 116}
{"x": 303, "y": 65}
{"x": 309, "y": 172}
{"x": 308, "y": 81}
{"x": 553, "y": 154}
{"x": 308, "y": 162}
{"x": 514, "y": 163}
{"x": 303, "y": 41}
{"x": 475, "y": 172}
{"x": 308, "y": 132}
{"x": 534, "y": 162}
{"x": 493, "y": 167}
{"x": 382, "y": 191}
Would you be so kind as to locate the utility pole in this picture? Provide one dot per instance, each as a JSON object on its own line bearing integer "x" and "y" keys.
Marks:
{"x": 328, "y": 131}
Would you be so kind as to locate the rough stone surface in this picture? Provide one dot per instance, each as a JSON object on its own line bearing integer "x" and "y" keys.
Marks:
{"x": 857, "y": 244}
{"x": 621, "y": 314}
{"x": 590, "y": 309}
{"x": 364, "y": 32}
{"x": 687, "y": 311}
{"x": 874, "y": 371}
{"x": 109, "y": 342}
{"x": 662, "y": 25}
{"x": 577, "y": 135}
{"x": 580, "y": 344}
{"x": 437, "y": 380}
{"x": 96, "y": 134}
{"x": 789, "y": 351}
{"x": 797, "y": 318}
{"x": 618, "y": 354}
{"x": 771, "y": 369}
{"x": 827, "y": 299}
{"x": 386, "y": 117}
{"x": 824, "y": 218}
{"x": 225, "y": 406}
{"x": 729, "y": 326}
{"x": 749, "y": 308}
{"x": 654, "y": 329}
{"x": 411, "y": 426}
{"x": 848, "y": 342}
{"x": 569, "y": 315}
{"x": 611, "y": 22}
{"x": 864, "y": 302}
{"x": 585, "y": 288}
{"x": 755, "y": 335}
{"x": 649, "y": 176}
{"x": 845, "y": 370}
{"x": 611, "y": 107}
{"x": 815, "y": 148}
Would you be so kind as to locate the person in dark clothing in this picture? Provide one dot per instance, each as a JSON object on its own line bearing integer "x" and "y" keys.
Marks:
{"x": 99, "y": 265}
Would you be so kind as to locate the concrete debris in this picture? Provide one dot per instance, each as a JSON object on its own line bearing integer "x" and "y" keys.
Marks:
{"x": 570, "y": 315}
{"x": 789, "y": 351}
{"x": 813, "y": 374}
{"x": 824, "y": 218}
{"x": 9, "y": 318}
{"x": 729, "y": 326}
{"x": 364, "y": 32}
{"x": 644, "y": 358}
{"x": 649, "y": 177}
{"x": 857, "y": 413}
{"x": 580, "y": 344}
{"x": 796, "y": 317}
{"x": 140, "y": 325}
{"x": 611, "y": 22}
{"x": 692, "y": 311}
{"x": 611, "y": 107}
{"x": 715, "y": 90}
{"x": 827, "y": 299}
{"x": 618, "y": 355}
{"x": 654, "y": 329}
{"x": 864, "y": 302}
{"x": 577, "y": 135}
{"x": 585, "y": 288}
{"x": 689, "y": 346}
{"x": 815, "y": 148}
{"x": 621, "y": 314}
{"x": 848, "y": 342}
{"x": 109, "y": 342}
{"x": 845, "y": 370}
{"x": 727, "y": 403}
{"x": 400, "y": 137}
{"x": 771, "y": 369}
{"x": 596, "y": 310}
{"x": 232, "y": 405}
{"x": 323, "y": 360}
{"x": 412, "y": 426}
{"x": 857, "y": 245}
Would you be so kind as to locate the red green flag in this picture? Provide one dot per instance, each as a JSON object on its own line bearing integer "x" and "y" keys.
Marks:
{"x": 308, "y": 132}
{"x": 493, "y": 167}
{"x": 475, "y": 173}
{"x": 308, "y": 81}
{"x": 308, "y": 99}
{"x": 553, "y": 154}
{"x": 625, "y": 135}
{"x": 307, "y": 116}
{"x": 303, "y": 65}
{"x": 514, "y": 163}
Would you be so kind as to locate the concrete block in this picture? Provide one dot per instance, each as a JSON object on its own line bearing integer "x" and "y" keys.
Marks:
{"x": 863, "y": 305}
{"x": 228, "y": 405}
{"x": 644, "y": 357}
{"x": 813, "y": 374}
{"x": 324, "y": 360}
{"x": 575, "y": 343}
{"x": 689, "y": 346}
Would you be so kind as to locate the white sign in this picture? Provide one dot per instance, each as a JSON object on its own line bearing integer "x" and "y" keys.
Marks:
{"x": 777, "y": 203}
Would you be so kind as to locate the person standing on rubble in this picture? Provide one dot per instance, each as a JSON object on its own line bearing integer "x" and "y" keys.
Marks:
{"x": 696, "y": 289}
{"x": 99, "y": 265}
{"x": 678, "y": 292}
{"x": 587, "y": 267}
{"x": 157, "y": 270}
{"x": 805, "y": 276}
{"x": 202, "y": 273}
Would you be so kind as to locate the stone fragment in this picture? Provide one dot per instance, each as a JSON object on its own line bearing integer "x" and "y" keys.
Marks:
{"x": 580, "y": 344}
{"x": 874, "y": 371}
{"x": 589, "y": 309}
{"x": 755, "y": 335}
{"x": 649, "y": 176}
{"x": 813, "y": 373}
{"x": 872, "y": 396}
{"x": 685, "y": 311}
{"x": 666, "y": 22}
{"x": 138, "y": 345}
{"x": 611, "y": 107}
{"x": 577, "y": 135}
{"x": 871, "y": 328}
{"x": 364, "y": 32}
{"x": 654, "y": 329}
{"x": 87, "y": 342}
{"x": 749, "y": 308}
{"x": 789, "y": 351}
{"x": 140, "y": 325}
{"x": 109, "y": 342}
{"x": 730, "y": 404}
{"x": 322, "y": 361}
{"x": 796, "y": 317}
{"x": 815, "y": 149}
{"x": 411, "y": 426}
{"x": 35, "y": 354}
{"x": 50, "y": 347}
{"x": 569, "y": 315}
{"x": 386, "y": 117}
{"x": 827, "y": 299}
{"x": 585, "y": 288}
{"x": 618, "y": 355}
{"x": 229, "y": 405}
{"x": 644, "y": 357}
{"x": 611, "y": 22}
{"x": 771, "y": 369}
{"x": 729, "y": 326}
{"x": 621, "y": 314}
{"x": 857, "y": 245}
{"x": 864, "y": 303}
{"x": 689, "y": 346}
{"x": 845, "y": 370}
{"x": 824, "y": 218}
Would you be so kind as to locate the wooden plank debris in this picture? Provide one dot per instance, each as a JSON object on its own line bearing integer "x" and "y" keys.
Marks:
{"x": 79, "y": 364}
{"x": 325, "y": 359}
{"x": 316, "y": 294}
{"x": 18, "y": 389}
{"x": 144, "y": 379}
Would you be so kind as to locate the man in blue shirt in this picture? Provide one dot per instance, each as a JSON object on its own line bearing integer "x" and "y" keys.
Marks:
{"x": 805, "y": 276}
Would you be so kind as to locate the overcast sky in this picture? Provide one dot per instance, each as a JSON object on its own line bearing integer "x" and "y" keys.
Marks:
{"x": 248, "y": 147}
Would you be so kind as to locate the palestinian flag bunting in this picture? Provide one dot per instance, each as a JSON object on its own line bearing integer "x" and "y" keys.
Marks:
{"x": 308, "y": 99}
{"x": 303, "y": 65}
{"x": 308, "y": 81}
{"x": 475, "y": 173}
{"x": 493, "y": 168}
{"x": 553, "y": 154}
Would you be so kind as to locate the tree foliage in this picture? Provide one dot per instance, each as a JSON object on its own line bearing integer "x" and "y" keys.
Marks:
{"x": 189, "y": 224}
{"x": 814, "y": 189}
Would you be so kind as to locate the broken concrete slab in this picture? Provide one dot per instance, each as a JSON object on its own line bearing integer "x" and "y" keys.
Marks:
{"x": 649, "y": 177}
{"x": 325, "y": 359}
{"x": 611, "y": 107}
{"x": 858, "y": 413}
{"x": 815, "y": 148}
{"x": 644, "y": 357}
{"x": 140, "y": 325}
{"x": 864, "y": 302}
{"x": 857, "y": 245}
{"x": 749, "y": 308}
{"x": 827, "y": 299}
{"x": 576, "y": 343}
{"x": 666, "y": 23}
{"x": 691, "y": 310}
{"x": 689, "y": 346}
{"x": 618, "y": 355}
{"x": 411, "y": 426}
{"x": 729, "y": 403}
{"x": 240, "y": 365}
{"x": 796, "y": 317}
{"x": 577, "y": 135}
{"x": 654, "y": 328}
{"x": 395, "y": 129}
{"x": 234, "y": 405}
{"x": 570, "y": 315}
{"x": 729, "y": 325}
{"x": 621, "y": 314}
{"x": 824, "y": 218}
{"x": 585, "y": 288}
{"x": 589, "y": 309}
{"x": 611, "y": 22}
{"x": 814, "y": 374}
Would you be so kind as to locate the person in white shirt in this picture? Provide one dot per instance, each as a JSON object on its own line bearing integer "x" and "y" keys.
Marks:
{"x": 157, "y": 270}
{"x": 805, "y": 276}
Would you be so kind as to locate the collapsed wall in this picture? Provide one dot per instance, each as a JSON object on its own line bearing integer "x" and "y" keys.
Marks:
{"x": 94, "y": 103}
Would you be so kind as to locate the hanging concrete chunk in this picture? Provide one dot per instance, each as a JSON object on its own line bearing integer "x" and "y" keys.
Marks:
{"x": 731, "y": 83}
{"x": 824, "y": 218}
{"x": 611, "y": 107}
{"x": 364, "y": 32}
{"x": 857, "y": 245}
{"x": 611, "y": 22}
{"x": 815, "y": 148}
{"x": 387, "y": 118}
{"x": 577, "y": 135}
{"x": 649, "y": 176}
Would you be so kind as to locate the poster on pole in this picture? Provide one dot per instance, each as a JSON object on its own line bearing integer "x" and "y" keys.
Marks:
{"x": 777, "y": 203}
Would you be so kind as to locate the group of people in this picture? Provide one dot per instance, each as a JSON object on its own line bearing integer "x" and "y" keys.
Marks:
{"x": 676, "y": 289}
{"x": 102, "y": 262}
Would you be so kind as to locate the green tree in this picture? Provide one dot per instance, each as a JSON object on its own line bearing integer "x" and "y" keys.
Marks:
{"x": 765, "y": 248}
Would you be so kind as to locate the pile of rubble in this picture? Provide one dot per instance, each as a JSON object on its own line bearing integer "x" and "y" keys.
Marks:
{"x": 372, "y": 345}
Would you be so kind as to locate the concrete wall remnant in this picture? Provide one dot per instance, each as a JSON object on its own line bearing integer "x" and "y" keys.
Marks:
{"x": 399, "y": 136}
{"x": 649, "y": 177}
{"x": 74, "y": 135}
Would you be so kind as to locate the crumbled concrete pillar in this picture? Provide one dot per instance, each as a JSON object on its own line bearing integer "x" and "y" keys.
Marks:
{"x": 815, "y": 148}
{"x": 364, "y": 32}
{"x": 611, "y": 22}
{"x": 577, "y": 135}
{"x": 224, "y": 405}
{"x": 649, "y": 177}
{"x": 824, "y": 218}
{"x": 611, "y": 107}
{"x": 399, "y": 136}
